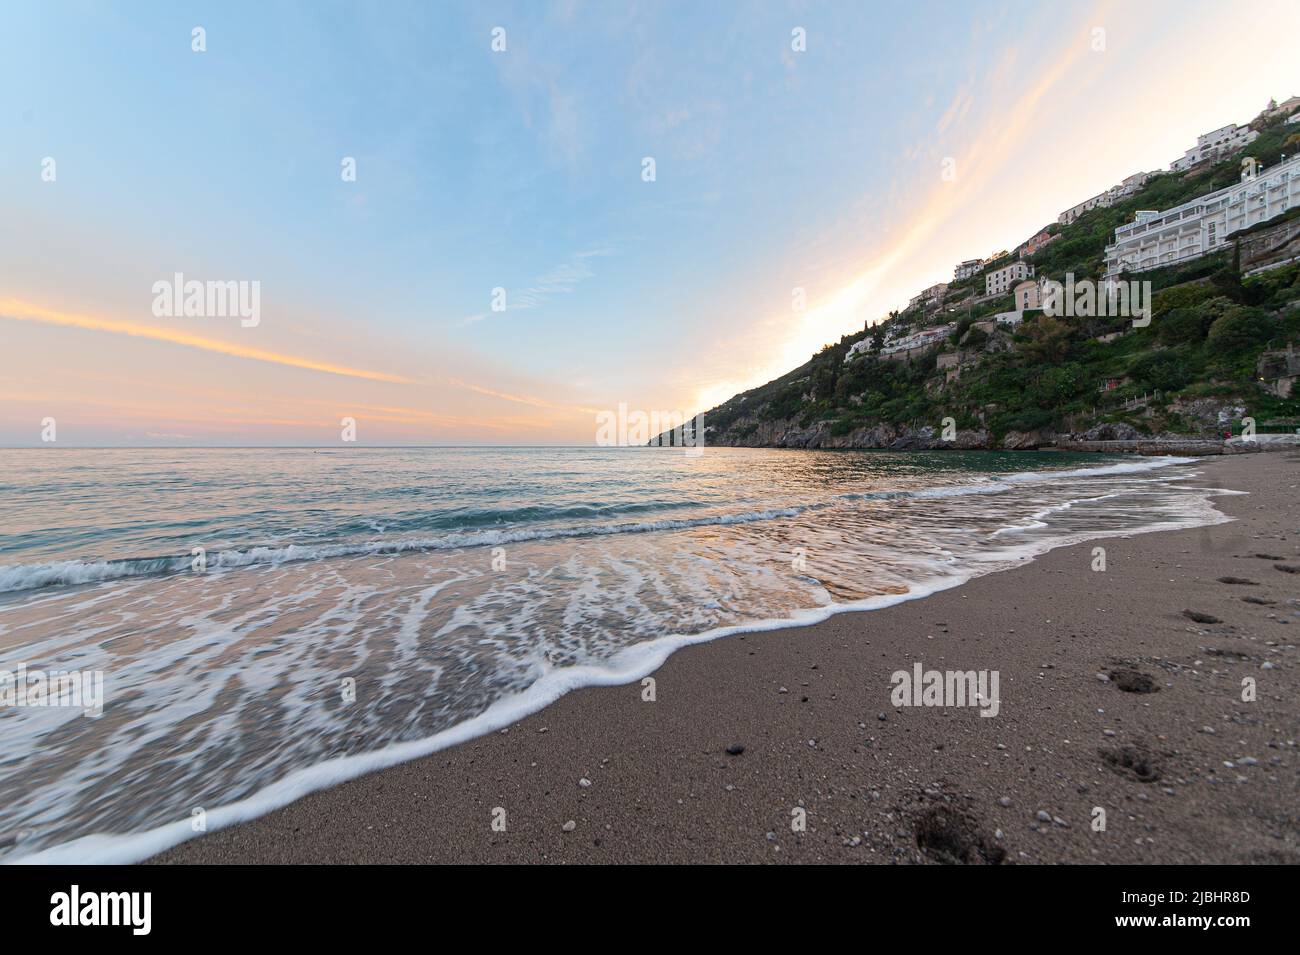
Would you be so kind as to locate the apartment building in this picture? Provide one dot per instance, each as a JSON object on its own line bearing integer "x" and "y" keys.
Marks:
{"x": 1072, "y": 213}
{"x": 1036, "y": 242}
{"x": 1000, "y": 281}
{"x": 924, "y": 338}
{"x": 965, "y": 270}
{"x": 1201, "y": 225}
{"x": 919, "y": 339}
{"x": 1215, "y": 144}
{"x": 931, "y": 296}
{"x": 1106, "y": 199}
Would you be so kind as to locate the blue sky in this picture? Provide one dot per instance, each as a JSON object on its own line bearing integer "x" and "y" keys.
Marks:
{"x": 522, "y": 169}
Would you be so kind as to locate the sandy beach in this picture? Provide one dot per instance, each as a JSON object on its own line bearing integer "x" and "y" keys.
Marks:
{"x": 1111, "y": 697}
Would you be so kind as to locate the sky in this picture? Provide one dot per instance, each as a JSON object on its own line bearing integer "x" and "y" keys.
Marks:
{"x": 846, "y": 153}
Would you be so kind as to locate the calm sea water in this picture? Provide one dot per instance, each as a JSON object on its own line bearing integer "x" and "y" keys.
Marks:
{"x": 357, "y": 607}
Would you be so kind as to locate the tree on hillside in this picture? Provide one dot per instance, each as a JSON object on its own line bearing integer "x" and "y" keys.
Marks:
{"x": 1049, "y": 340}
{"x": 1239, "y": 328}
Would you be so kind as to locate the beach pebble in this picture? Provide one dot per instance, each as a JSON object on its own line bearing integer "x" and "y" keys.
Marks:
{"x": 882, "y": 717}
{"x": 584, "y": 782}
{"x": 1005, "y": 802}
{"x": 735, "y": 749}
{"x": 569, "y": 826}
{"x": 1043, "y": 815}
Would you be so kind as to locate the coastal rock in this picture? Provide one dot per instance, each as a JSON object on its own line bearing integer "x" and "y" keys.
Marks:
{"x": 789, "y": 433}
{"x": 971, "y": 440}
{"x": 917, "y": 440}
{"x": 1028, "y": 440}
{"x": 1210, "y": 415}
{"x": 1117, "y": 431}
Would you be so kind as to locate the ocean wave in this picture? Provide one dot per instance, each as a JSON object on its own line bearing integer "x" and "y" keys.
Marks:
{"x": 627, "y": 666}
{"x": 65, "y": 573}
{"x": 75, "y": 572}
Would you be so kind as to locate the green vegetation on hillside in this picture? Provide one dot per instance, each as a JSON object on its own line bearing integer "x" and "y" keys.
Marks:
{"x": 1208, "y": 330}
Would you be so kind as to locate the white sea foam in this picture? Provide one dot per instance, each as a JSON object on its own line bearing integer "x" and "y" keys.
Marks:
{"x": 945, "y": 568}
{"x": 76, "y": 572}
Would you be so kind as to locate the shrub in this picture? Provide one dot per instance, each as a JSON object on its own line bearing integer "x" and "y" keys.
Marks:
{"x": 1240, "y": 328}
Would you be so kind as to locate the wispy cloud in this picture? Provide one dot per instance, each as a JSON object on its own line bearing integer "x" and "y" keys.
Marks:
{"x": 28, "y": 312}
{"x": 561, "y": 280}
{"x": 520, "y": 399}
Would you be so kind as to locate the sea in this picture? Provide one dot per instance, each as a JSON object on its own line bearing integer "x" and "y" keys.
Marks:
{"x": 268, "y": 622}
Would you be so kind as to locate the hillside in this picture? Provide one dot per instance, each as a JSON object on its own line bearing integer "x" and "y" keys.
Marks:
{"x": 1195, "y": 370}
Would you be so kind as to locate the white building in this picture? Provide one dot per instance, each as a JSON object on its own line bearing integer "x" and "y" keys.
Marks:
{"x": 1129, "y": 186}
{"x": 965, "y": 270}
{"x": 923, "y": 338}
{"x": 1108, "y": 198}
{"x": 930, "y": 296}
{"x": 858, "y": 349}
{"x": 919, "y": 339}
{"x": 1214, "y": 144}
{"x": 1200, "y": 226}
{"x": 1002, "y": 280}
{"x": 1294, "y": 117}
{"x": 1072, "y": 213}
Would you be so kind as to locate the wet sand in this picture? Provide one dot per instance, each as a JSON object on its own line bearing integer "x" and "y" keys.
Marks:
{"x": 1186, "y": 772}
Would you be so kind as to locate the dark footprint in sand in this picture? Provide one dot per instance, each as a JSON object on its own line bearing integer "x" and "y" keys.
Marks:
{"x": 1238, "y": 580}
{"x": 954, "y": 837}
{"x": 1134, "y": 761}
{"x": 1202, "y": 617}
{"x": 1133, "y": 681}
{"x": 1287, "y": 568}
{"x": 1262, "y": 601}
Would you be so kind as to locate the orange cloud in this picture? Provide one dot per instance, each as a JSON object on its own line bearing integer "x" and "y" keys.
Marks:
{"x": 27, "y": 312}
